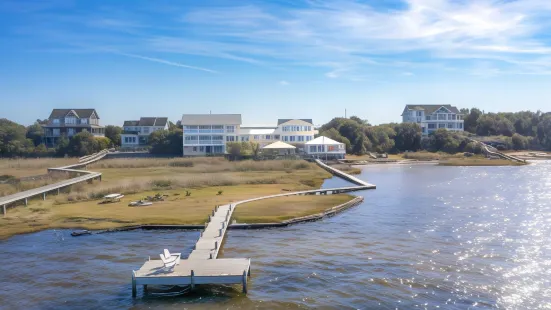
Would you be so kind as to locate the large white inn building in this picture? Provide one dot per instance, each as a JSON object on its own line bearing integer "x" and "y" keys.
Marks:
{"x": 207, "y": 134}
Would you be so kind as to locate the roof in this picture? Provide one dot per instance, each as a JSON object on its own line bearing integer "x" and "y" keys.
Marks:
{"x": 285, "y": 120}
{"x": 431, "y": 108}
{"x": 148, "y": 121}
{"x": 81, "y": 113}
{"x": 256, "y": 131}
{"x": 211, "y": 119}
{"x": 321, "y": 140}
{"x": 279, "y": 145}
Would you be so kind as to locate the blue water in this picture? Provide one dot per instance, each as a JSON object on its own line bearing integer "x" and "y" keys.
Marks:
{"x": 427, "y": 237}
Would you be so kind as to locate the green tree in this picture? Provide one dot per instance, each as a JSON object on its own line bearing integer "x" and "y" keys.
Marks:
{"x": 35, "y": 132}
{"x": 13, "y": 141}
{"x": 544, "y": 131}
{"x": 470, "y": 120}
{"x": 167, "y": 142}
{"x": 114, "y": 134}
{"x": 408, "y": 137}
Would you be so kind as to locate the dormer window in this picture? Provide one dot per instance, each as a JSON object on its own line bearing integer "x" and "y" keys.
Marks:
{"x": 55, "y": 121}
{"x": 84, "y": 121}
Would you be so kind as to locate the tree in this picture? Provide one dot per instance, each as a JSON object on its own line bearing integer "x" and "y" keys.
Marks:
{"x": 13, "y": 141}
{"x": 544, "y": 131}
{"x": 62, "y": 146}
{"x": 35, "y": 132}
{"x": 470, "y": 120}
{"x": 84, "y": 143}
{"x": 408, "y": 137}
{"x": 166, "y": 142}
{"x": 114, "y": 134}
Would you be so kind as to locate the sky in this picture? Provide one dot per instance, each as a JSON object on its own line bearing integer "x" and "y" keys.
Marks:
{"x": 272, "y": 59}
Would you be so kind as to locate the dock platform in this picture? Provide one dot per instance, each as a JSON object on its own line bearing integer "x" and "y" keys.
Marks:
{"x": 202, "y": 265}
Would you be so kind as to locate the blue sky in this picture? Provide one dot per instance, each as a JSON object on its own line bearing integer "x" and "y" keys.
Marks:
{"x": 269, "y": 60}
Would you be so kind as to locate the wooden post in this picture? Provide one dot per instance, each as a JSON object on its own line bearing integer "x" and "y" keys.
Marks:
{"x": 212, "y": 212}
{"x": 249, "y": 272}
{"x": 223, "y": 224}
{"x": 201, "y": 233}
{"x": 43, "y": 196}
{"x": 230, "y": 207}
{"x": 220, "y": 232}
{"x": 210, "y": 255}
{"x": 4, "y": 210}
{"x": 191, "y": 280}
{"x": 244, "y": 281}
{"x": 58, "y": 191}
{"x": 133, "y": 284}
{"x": 216, "y": 245}
{"x": 26, "y": 202}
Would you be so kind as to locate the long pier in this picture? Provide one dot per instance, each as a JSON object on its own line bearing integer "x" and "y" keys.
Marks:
{"x": 82, "y": 175}
{"x": 203, "y": 266}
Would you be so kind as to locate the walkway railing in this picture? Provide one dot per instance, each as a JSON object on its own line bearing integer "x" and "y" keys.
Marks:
{"x": 486, "y": 149}
{"x": 82, "y": 175}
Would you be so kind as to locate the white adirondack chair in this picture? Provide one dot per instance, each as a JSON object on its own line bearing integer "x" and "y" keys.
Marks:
{"x": 170, "y": 255}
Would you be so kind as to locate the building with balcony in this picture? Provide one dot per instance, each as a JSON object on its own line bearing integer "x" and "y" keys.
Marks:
{"x": 136, "y": 133}
{"x": 293, "y": 131}
{"x": 207, "y": 134}
{"x": 69, "y": 122}
{"x": 432, "y": 117}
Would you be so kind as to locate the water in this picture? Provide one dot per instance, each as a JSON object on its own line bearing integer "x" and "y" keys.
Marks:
{"x": 427, "y": 237}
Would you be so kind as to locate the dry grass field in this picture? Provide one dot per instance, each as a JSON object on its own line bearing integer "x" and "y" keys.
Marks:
{"x": 210, "y": 182}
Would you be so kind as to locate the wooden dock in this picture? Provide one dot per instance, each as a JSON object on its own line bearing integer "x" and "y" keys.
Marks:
{"x": 203, "y": 266}
{"x": 82, "y": 176}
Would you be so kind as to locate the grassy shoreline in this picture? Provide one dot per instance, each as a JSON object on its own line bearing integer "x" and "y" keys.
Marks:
{"x": 443, "y": 159}
{"x": 211, "y": 181}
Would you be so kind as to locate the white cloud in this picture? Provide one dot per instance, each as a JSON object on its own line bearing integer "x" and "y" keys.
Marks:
{"x": 407, "y": 73}
{"x": 166, "y": 62}
{"x": 283, "y": 83}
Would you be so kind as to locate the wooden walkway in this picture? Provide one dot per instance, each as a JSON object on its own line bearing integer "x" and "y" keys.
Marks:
{"x": 83, "y": 175}
{"x": 203, "y": 266}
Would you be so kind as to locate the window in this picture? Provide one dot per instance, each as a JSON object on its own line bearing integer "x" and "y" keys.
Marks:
{"x": 218, "y": 149}
{"x": 70, "y": 120}
{"x": 230, "y": 138}
{"x": 145, "y": 129}
{"x": 308, "y": 138}
{"x": 460, "y": 125}
{"x": 320, "y": 148}
{"x": 285, "y": 138}
{"x": 230, "y": 128}
{"x": 256, "y": 137}
{"x": 219, "y": 138}
{"x": 70, "y": 131}
{"x": 428, "y": 118}
{"x": 84, "y": 121}
{"x": 313, "y": 148}
{"x": 432, "y": 126}
{"x": 56, "y": 131}
{"x": 268, "y": 137}
{"x": 244, "y": 138}
{"x": 450, "y": 125}
{"x": 276, "y": 137}
{"x": 419, "y": 113}
{"x": 300, "y": 138}
{"x": 55, "y": 121}
{"x": 191, "y": 138}
{"x": 442, "y": 125}
{"x": 292, "y": 138}
{"x": 204, "y": 138}
{"x": 195, "y": 149}
{"x": 441, "y": 117}
{"x": 201, "y": 149}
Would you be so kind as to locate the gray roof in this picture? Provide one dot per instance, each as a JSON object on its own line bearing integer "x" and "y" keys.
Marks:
{"x": 211, "y": 119}
{"x": 81, "y": 113}
{"x": 148, "y": 121}
{"x": 431, "y": 108}
{"x": 285, "y": 120}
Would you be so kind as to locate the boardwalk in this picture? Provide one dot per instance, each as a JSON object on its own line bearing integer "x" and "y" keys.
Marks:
{"x": 82, "y": 176}
{"x": 203, "y": 266}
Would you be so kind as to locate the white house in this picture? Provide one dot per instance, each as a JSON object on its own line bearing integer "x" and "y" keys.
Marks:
{"x": 293, "y": 131}
{"x": 207, "y": 134}
{"x": 136, "y": 133}
{"x": 432, "y": 117}
{"x": 325, "y": 148}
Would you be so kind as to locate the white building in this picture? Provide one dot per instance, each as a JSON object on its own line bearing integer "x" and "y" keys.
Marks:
{"x": 207, "y": 134}
{"x": 293, "y": 131}
{"x": 432, "y": 117}
{"x": 136, "y": 133}
{"x": 325, "y": 148}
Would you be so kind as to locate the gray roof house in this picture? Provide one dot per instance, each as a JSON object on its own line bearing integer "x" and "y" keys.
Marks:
{"x": 68, "y": 122}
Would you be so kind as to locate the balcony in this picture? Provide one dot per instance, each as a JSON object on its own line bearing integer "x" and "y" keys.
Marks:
{"x": 204, "y": 142}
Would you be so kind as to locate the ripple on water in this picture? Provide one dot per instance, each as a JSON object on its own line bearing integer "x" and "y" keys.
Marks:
{"x": 428, "y": 237}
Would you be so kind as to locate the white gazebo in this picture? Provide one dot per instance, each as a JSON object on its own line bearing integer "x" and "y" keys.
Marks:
{"x": 323, "y": 147}
{"x": 280, "y": 148}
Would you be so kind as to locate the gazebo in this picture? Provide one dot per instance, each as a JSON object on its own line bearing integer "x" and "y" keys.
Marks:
{"x": 323, "y": 147}
{"x": 280, "y": 148}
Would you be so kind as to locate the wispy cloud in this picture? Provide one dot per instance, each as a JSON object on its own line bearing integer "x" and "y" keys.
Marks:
{"x": 343, "y": 38}
{"x": 283, "y": 83}
{"x": 165, "y": 62}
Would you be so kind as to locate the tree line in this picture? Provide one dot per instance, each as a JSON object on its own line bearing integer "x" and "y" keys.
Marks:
{"x": 520, "y": 130}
